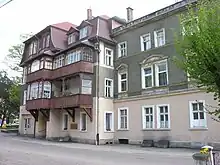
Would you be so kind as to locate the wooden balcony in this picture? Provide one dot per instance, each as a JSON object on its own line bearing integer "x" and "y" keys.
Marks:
{"x": 38, "y": 104}
{"x": 78, "y": 67}
{"x": 43, "y": 74}
{"x": 71, "y": 101}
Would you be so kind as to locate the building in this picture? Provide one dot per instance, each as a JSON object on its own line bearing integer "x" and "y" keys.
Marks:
{"x": 63, "y": 96}
{"x": 154, "y": 100}
{"x": 108, "y": 80}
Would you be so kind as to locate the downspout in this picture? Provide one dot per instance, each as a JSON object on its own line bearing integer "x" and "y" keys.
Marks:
{"x": 35, "y": 127}
{"x": 97, "y": 91}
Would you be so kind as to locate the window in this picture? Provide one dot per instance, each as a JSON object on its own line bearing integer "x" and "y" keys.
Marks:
{"x": 41, "y": 63}
{"x": 40, "y": 87}
{"x": 47, "y": 90}
{"x": 34, "y": 91}
{"x": 83, "y": 122}
{"x": 35, "y": 66}
{"x": 33, "y": 48}
{"x": 28, "y": 92}
{"x": 25, "y": 97}
{"x": 48, "y": 41}
{"x": 86, "y": 86}
{"x": 148, "y": 117}
{"x": 24, "y": 78}
{"x": 163, "y": 116}
{"x": 108, "y": 57}
{"x": 73, "y": 57}
{"x": 122, "y": 77}
{"x": 108, "y": 87}
{"x": 71, "y": 38}
{"x": 159, "y": 37}
{"x": 44, "y": 42}
{"x": 65, "y": 121}
{"x": 145, "y": 42}
{"x": 48, "y": 64}
{"x": 122, "y": 49}
{"x": 197, "y": 114}
{"x": 108, "y": 121}
{"x": 58, "y": 62}
{"x": 123, "y": 118}
{"x": 161, "y": 73}
{"x": 27, "y": 123}
{"x": 147, "y": 77}
{"x": 83, "y": 32}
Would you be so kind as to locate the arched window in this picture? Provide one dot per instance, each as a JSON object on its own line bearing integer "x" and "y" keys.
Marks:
{"x": 35, "y": 66}
{"x": 34, "y": 91}
{"x": 47, "y": 89}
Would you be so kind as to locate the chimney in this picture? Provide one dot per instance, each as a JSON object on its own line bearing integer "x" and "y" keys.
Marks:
{"x": 129, "y": 14}
{"x": 89, "y": 14}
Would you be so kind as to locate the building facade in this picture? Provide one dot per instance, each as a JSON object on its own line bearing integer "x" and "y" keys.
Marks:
{"x": 108, "y": 80}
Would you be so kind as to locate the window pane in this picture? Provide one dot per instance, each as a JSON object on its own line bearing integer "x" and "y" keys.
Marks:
{"x": 148, "y": 81}
{"x": 194, "y": 107}
{"x": 124, "y": 86}
{"x": 201, "y": 108}
{"x": 161, "y": 117}
{"x": 162, "y": 67}
{"x": 161, "y": 110}
{"x": 147, "y": 71}
{"x": 195, "y": 116}
{"x": 163, "y": 78}
{"x": 201, "y": 115}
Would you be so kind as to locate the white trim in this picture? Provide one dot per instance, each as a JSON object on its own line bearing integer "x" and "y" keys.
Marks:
{"x": 142, "y": 41}
{"x": 158, "y": 115}
{"x": 24, "y": 97}
{"x": 81, "y": 113}
{"x": 112, "y": 87}
{"x": 143, "y": 76}
{"x": 191, "y": 114}
{"x": 104, "y": 66}
{"x": 144, "y": 114}
{"x": 155, "y": 37}
{"x": 112, "y": 121}
{"x": 157, "y": 72}
{"x": 119, "y": 118}
{"x": 107, "y": 55}
{"x": 119, "y": 81}
{"x": 126, "y": 49}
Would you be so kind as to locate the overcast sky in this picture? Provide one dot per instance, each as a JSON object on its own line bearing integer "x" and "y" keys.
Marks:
{"x": 25, "y": 16}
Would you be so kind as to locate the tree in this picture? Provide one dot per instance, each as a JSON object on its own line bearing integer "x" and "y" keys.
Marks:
{"x": 14, "y": 56}
{"x": 199, "y": 46}
{"x": 9, "y": 96}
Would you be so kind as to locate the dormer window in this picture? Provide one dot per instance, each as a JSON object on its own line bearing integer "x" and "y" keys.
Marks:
{"x": 46, "y": 41}
{"x": 33, "y": 48}
{"x": 71, "y": 38}
{"x": 83, "y": 32}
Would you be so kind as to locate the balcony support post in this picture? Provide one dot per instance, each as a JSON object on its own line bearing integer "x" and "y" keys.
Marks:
{"x": 88, "y": 111}
{"x": 34, "y": 113}
{"x": 45, "y": 113}
{"x": 72, "y": 114}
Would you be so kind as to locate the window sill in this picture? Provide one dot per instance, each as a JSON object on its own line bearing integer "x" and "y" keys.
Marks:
{"x": 83, "y": 131}
{"x": 156, "y": 129}
{"x": 109, "y": 131}
{"x": 122, "y": 129}
{"x": 198, "y": 129}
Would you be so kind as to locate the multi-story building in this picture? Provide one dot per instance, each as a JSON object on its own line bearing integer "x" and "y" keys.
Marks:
{"x": 110, "y": 80}
{"x": 154, "y": 100}
{"x": 66, "y": 68}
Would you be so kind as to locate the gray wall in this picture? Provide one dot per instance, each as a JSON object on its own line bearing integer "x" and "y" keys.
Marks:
{"x": 135, "y": 56}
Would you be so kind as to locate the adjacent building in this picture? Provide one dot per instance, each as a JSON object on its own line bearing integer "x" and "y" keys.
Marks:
{"x": 110, "y": 80}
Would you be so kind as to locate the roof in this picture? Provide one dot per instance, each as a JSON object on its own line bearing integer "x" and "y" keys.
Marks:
{"x": 64, "y": 25}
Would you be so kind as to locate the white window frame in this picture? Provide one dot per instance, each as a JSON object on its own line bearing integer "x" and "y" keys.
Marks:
{"x": 58, "y": 62}
{"x": 142, "y": 41}
{"x": 156, "y": 37}
{"x": 83, "y": 113}
{"x": 83, "y": 32}
{"x": 24, "y": 76}
{"x": 158, "y": 115}
{"x": 157, "y": 72}
{"x": 24, "y": 97}
{"x": 47, "y": 44}
{"x": 35, "y": 66}
{"x": 47, "y": 88}
{"x": 121, "y": 80}
{"x": 70, "y": 38}
{"x": 27, "y": 123}
{"x": 107, "y": 56}
{"x": 125, "y": 49}
{"x": 191, "y": 114}
{"x": 111, "y": 122}
{"x": 86, "y": 86}
{"x": 111, "y": 88}
{"x": 64, "y": 115}
{"x": 143, "y": 76}
{"x": 144, "y": 116}
{"x": 119, "y": 118}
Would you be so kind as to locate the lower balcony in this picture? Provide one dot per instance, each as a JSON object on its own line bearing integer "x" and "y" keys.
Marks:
{"x": 71, "y": 101}
{"x": 40, "y": 74}
{"x": 38, "y": 104}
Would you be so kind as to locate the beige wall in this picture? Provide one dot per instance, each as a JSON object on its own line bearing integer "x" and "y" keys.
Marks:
{"x": 179, "y": 119}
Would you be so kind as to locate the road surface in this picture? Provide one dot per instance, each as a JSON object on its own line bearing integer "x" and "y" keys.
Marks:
{"x": 26, "y": 151}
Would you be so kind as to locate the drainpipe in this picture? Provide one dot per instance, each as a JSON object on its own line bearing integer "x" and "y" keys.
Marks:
{"x": 34, "y": 128}
{"x": 97, "y": 91}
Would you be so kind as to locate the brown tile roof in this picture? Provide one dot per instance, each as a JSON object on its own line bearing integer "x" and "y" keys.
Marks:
{"x": 64, "y": 25}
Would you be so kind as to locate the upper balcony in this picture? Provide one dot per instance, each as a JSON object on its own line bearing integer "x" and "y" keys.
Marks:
{"x": 78, "y": 67}
{"x": 44, "y": 74}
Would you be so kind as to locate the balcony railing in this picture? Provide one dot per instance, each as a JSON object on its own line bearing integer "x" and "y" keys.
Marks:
{"x": 71, "y": 101}
{"x": 43, "y": 74}
{"x": 81, "y": 66}
{"x": 38, "y": 104}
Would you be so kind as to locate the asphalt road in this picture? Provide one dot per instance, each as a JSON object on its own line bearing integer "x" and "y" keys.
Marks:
{"x": 25, "y": 151}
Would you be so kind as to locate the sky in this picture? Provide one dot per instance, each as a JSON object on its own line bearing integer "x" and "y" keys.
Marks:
{"x": 31, "y": 16}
